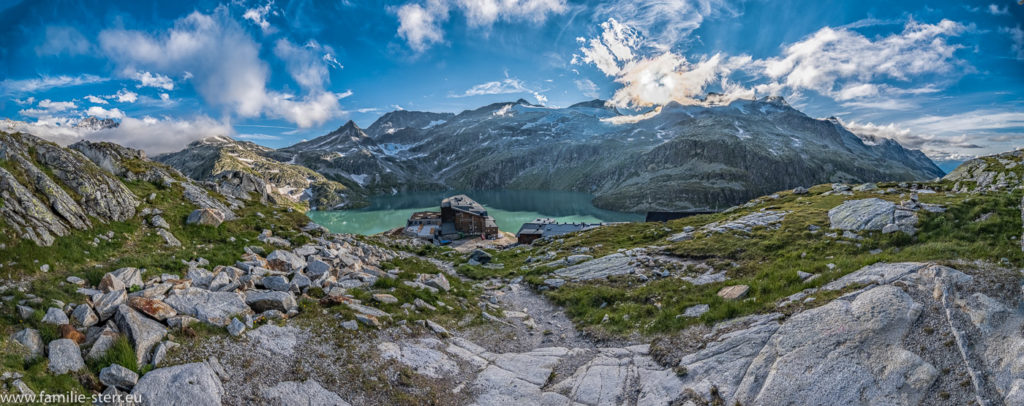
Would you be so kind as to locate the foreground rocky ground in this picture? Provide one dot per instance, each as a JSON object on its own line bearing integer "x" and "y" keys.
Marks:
{"x": 179, "y": 294}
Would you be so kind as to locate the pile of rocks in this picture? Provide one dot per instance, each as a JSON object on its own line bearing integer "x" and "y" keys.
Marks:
{"x": 144, "y": 308}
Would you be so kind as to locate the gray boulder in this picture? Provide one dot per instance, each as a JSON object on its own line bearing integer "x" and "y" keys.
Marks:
{"x": 55, "y": 316}
{"x": 65, "y": 356}
{"x": 316, "y": 268}
{"x": 118, "y": 376}
{"x": 130, "y": 276}
{"x": 206, "y": 217}
{"x": 31, "y": 340}
{"x": 261, "y": 301}
{"x": 863, "y": 214}
{"x": 143, "y": 332}
{"x": 285, "y": 261}
{"x": 83, "y": 316}
{"x": 190, "y": 384}
{"x": 214, "y": 308}
{"x": 276, "y": 283}
{"x": 107, "y": 304}
{"x": 480, "y": 256}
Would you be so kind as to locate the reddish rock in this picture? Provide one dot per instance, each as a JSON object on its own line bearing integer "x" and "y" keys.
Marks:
{"x": 152, "y": 307}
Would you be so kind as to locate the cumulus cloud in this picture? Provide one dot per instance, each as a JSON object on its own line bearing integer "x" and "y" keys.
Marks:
{"x": 846, "y": 65}
{"x": 95, "y": 100}
{"x": 22, "y": 86}
{"x": 505, "y": 86}
{"x": 153, "y": 135}
{"x": 147, "y": 79}
{"x": 60, "y": 40}
{"x": 650, "y": 77}
{"x": 419, "y": 23}
{"x": 47, "y": 107}
{"x": 125, "y": 96}
{"x": 223, "y": 63}
{"x": 1017, "y": 40}
{"x": 100, "y": 112}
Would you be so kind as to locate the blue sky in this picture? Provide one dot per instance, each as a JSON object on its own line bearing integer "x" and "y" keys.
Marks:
{"x": 944, "y": 77}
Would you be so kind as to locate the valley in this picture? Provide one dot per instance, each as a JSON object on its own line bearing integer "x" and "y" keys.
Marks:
{"x": 214, "y": 298}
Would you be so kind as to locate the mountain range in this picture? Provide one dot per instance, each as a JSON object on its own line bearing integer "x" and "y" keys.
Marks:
{"x": 707, "y": 156}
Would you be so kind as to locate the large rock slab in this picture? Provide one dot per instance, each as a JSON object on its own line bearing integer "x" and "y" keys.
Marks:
{"x": 609, "y": 265}
{"x": 845, "y": 352}
{"x": 863, "y": 214}
{"x": 215, "y": 308}
{"x": 309, "y": 393}
{"x": 193, "y": 384}
{"x": 419, "y": 356}
{"x": 143, "y": 332}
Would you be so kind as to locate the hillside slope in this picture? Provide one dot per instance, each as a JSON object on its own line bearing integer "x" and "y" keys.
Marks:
{"x": 241, "y": 168}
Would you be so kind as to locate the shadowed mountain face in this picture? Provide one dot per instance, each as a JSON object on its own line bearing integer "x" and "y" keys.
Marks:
{"x": 707, "y": 156}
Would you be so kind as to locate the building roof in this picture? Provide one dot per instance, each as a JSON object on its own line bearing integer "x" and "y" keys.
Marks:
{"x": 465, "y": 204}
{"x": 421, "y": 215}
{"x": 547, "y": 227}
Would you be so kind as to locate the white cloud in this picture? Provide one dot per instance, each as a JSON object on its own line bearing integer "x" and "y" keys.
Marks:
{"x": 483, "y": 13}
{"x": 664, "y": 23}
{"x": 101, "y": 112}
{"x": 258, "y": 16}
{"x": 61, "y": 40}
{"x": 588, "y": 88}
{"x": 1017, "y": 38}
{"x": 153, "y": 135}
{"x": 948, "y": 137}
{"x": 420, "y": 23}
{"x": 125, "y": 96}
{"x": 223, "y": 63}
{"x": 662, "y": 77}
{"x": 882, "y": 104}
{"x": 308, "y": 64}
{"x": 95, "y": 100}
{"x": 47, "y": 108}
{"x": 10, "y": 86}
{"x": 505, "y": 86}
{"x": 996, "y": 11}
{"x": 165, "y": 97}
{"x": 147, "y": 79}
{"x": 845, "y": 65}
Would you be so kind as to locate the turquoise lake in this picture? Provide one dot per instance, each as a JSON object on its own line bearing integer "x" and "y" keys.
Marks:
{"x": 510, "y": 209}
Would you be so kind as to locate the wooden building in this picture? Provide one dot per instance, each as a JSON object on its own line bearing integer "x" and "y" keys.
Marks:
{"x": 468, "y": 217}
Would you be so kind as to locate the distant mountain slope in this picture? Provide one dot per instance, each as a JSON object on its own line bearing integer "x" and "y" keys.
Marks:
{"x": 693, "y": 157}
{"x": 243, "y": 168}
{"x": 350, "y": 156}
{"x": 707, "y": 156}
